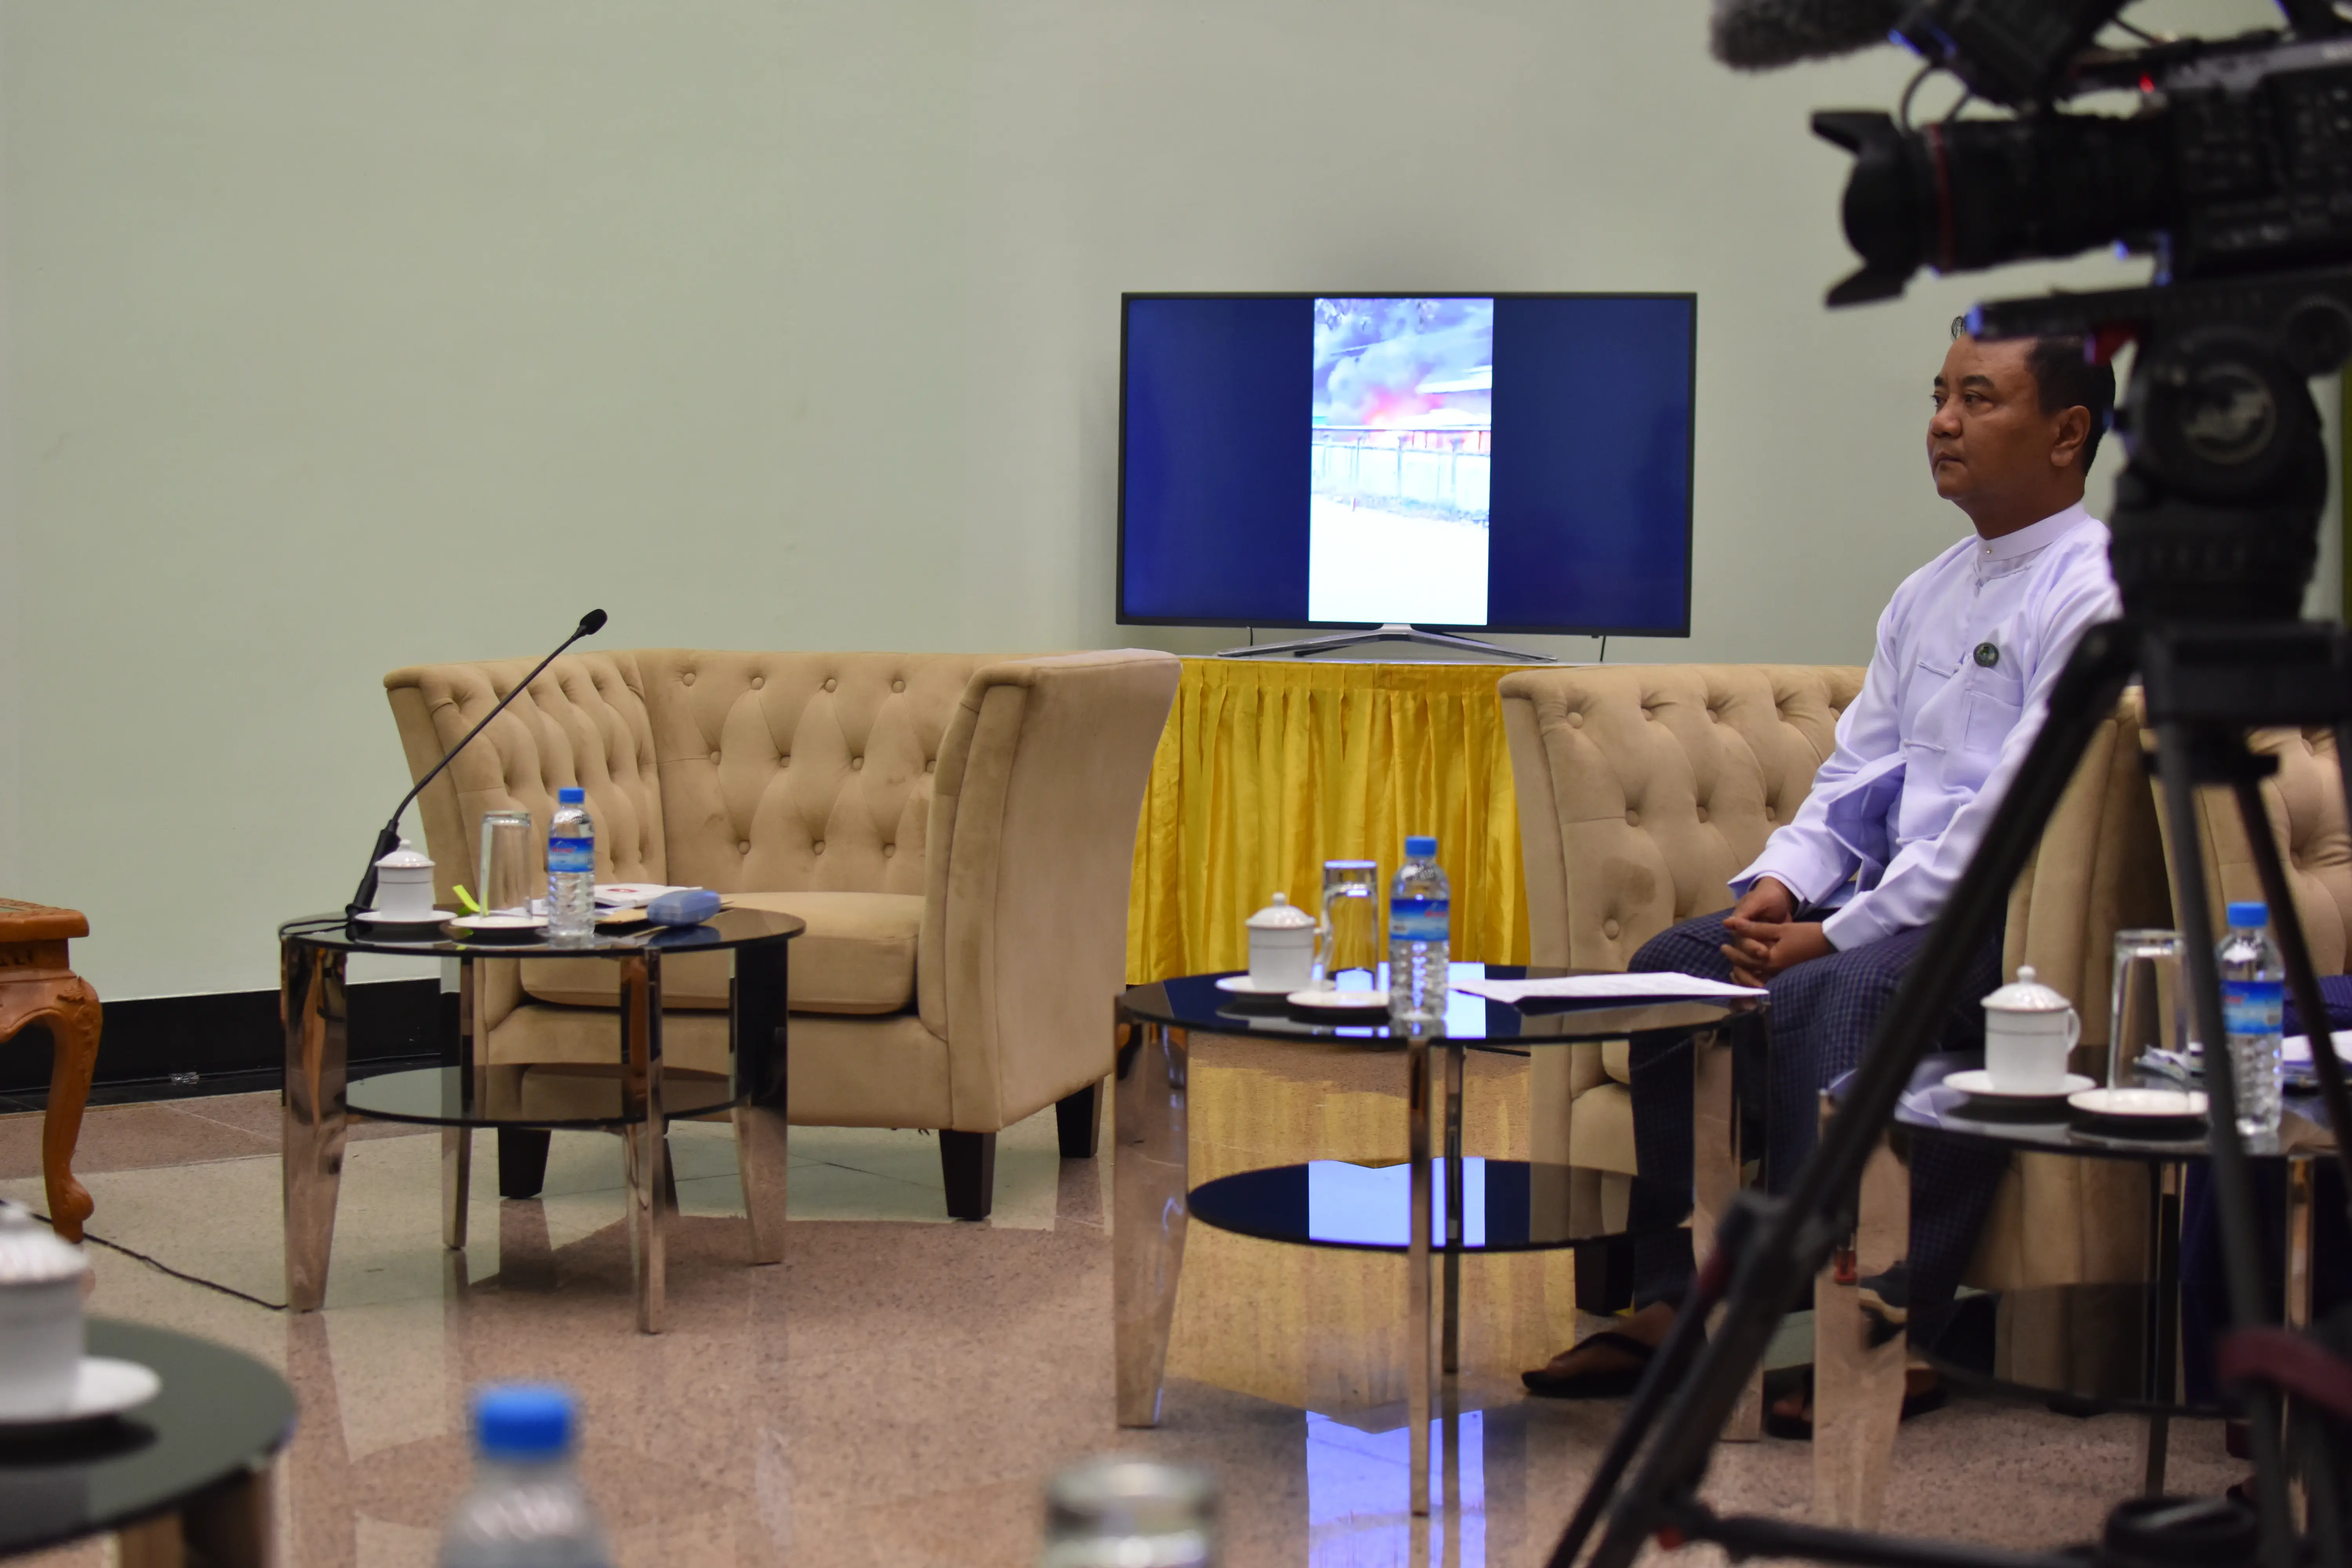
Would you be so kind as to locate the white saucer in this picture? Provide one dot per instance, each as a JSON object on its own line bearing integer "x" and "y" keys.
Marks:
{"x": 1356, "y": 1002}
{"x": 1979, "y": 1082}
{"x": 1243, "y": 985}
{"x": 500, "y": 925}
{"x": 2143, "y": 1104}
{"x": 429, "y": 918}
{"x": 106, "y": 1388}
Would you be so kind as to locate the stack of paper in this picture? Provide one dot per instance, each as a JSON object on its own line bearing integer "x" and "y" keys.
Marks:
{"x": 1608, "y": 988}
{"x": 629, "y": 895}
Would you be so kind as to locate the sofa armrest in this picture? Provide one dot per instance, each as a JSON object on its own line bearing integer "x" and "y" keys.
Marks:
{"x": 1030, "y": 848}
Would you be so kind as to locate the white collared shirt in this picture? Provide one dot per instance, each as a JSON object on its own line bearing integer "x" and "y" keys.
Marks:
{"x": 1957, "y": 687}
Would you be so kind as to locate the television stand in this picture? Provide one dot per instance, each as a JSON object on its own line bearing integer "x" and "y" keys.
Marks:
{"x": 1395, "y": 631}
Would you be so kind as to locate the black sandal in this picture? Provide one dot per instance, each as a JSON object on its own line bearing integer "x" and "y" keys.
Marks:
{"x": 1614, "y": 1383}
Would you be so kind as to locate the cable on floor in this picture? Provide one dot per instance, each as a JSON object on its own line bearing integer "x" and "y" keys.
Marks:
{"x": 163, "y": 1267}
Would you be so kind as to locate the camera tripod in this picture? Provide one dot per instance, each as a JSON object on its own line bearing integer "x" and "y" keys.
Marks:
{"x": 2215, "y": 531}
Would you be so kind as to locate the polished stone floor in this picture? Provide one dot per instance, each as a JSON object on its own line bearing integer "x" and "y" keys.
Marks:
{"x": 898, "y": 1391}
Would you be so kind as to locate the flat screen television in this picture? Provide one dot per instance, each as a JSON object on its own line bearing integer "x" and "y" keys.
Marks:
{"x": 1512, "y": 462}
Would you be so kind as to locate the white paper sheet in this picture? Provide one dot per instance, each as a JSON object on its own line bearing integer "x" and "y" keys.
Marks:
{"x": 1661, "y": 987}
{"x": 2296, "y": 1049}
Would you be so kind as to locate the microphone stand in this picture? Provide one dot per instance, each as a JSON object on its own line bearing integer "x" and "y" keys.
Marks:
{"x": 388, "y": 839}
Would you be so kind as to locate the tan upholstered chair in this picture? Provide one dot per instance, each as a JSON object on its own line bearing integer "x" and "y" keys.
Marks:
{"x": 1643, "y": 789}
{"x": 956, "y": 830}
{"x": 2304, "y": 800}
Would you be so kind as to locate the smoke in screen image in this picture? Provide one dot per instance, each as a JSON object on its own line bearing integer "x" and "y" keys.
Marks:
{"x": 1402, "y": 439}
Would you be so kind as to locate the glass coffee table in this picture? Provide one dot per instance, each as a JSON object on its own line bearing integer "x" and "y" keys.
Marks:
{"x": 632, "y": 1095}
{"x": 1438, "y": 1204}
{"x": 2112, "y": 1345}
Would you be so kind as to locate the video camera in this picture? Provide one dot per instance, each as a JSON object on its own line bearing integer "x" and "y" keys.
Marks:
{"x": 2234, "y": 174}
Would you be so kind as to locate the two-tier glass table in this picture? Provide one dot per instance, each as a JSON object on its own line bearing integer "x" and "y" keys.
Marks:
{"x": 1447, "y": 1207}
{"x": 2116, "y": 1345}
{"x": 632, "y": 1095}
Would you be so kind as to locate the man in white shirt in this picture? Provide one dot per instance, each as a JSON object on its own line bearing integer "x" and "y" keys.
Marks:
{"x": 1833, "y": 912}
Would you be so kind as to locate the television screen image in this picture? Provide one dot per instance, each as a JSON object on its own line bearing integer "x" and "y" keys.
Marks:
{"x": 1402, "y": 432}
{"x": 1512, "y": 462}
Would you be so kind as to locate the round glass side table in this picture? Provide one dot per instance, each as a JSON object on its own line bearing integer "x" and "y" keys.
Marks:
{"x": 632, "y": 1094}
{"x": 1439, "y": 1203}
{"x": 2112, "y": 1345}
{"x": 190, "y": 1468}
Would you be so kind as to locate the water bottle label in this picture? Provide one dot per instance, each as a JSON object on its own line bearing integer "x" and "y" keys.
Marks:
{"x": 1417, "y": 919}
{"x": 570, "y": 854}
{"x": 2252, "y": 1006}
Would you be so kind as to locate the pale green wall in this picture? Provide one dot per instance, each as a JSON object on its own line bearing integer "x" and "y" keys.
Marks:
{"x": 345, "y": 335}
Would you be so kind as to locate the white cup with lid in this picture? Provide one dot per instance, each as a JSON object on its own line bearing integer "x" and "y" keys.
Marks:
{"x": 2030, "y": 1029}
{"x": 42, "y": 1336}
{"x": 1281, "y": 946}
{"x": 404, "y": 883}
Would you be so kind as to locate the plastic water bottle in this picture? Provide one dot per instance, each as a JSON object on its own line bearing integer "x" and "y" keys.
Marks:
{"x": 1419, "y": 910}
{"x": 526, "y": 1509}
{"x": 571, "y": 867}
{"x": 2253, "y": 998}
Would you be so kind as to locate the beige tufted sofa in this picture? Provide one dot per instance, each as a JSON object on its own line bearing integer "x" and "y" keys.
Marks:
{"x": 1643, "y": 789}
{"x": 956, "y": 830}
{"x": 2304, "y": 800}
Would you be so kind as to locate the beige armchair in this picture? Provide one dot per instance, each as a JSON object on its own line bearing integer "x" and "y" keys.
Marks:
{"x": 957, "y": 832}
{"x": 2304, "y": 801}
{"x": 1643, "y": 789}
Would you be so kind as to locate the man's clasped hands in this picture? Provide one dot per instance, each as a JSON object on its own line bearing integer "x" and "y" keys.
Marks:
{"x": 1766, "y": 936}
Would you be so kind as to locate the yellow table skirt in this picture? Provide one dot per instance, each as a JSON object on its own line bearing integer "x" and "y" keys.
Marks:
{"x": 1267, "y": 770}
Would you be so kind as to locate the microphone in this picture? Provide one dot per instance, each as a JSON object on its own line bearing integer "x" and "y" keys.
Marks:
{"x": 389, "y": 839}
{"x": 1763, "y": 35}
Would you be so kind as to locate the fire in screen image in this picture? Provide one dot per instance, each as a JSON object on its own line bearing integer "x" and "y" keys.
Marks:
{"x": 1403, "y": 440}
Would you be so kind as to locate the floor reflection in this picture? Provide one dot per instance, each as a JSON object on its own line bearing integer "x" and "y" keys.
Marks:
{"x": 1358, "y": 1496}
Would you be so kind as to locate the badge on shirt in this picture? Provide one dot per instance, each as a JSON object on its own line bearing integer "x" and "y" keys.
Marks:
{"x": 1987, "y": 655}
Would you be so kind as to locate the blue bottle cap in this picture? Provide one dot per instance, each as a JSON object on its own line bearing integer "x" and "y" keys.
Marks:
{"x": 570, "y": 794}
{"x": 524, "y": 1420}
{"x": 1420, "y": 845}
{"x": 2249, "y": 912}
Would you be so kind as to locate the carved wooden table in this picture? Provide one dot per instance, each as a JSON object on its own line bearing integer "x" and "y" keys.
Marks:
{"x": 38, "y": 985}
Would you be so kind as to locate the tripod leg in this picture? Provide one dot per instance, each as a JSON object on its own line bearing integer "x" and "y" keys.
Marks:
{"x": 1782, "y": 1260}
{"x": 2302, "y": 979}
{"x": 1858, "y": 1385}
{"x": 2232, "y": 1182}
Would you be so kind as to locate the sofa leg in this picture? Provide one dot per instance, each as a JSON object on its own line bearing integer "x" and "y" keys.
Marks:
{"x": 1078, "y": 1119}
{"x": 968, "y": 1161}
{"x": 522, "y": 1160}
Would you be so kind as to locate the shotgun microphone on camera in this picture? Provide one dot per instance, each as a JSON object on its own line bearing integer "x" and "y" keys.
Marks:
{"x": 389, "y": 839}
{"x": 1762, "y": 34}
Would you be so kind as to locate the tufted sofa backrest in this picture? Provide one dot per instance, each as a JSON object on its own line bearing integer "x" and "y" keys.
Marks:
{"x": 800, "y": 772}
{"x": 1644, "y": 788}
{"x": 775, "y": 771}
{"x": 584, "y": 721}
{"x": 2304, "y": 802}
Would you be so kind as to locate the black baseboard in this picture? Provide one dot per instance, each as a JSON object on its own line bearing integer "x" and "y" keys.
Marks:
{"x": 231, "y": 1037}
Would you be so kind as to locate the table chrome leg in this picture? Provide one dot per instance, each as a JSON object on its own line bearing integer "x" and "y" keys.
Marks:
{"x": 2163, "y": 1370}
{"x": 1149, "y": 1178}
{"x": 1858, "y": 1385}
{"x": 1450, "y": 1358}
{"x": 458, "y": 1143}
{"x": 1718, "y": 1173}
{"x": 646, "y": 1141}
{"x": 762, "y": 1027}
{"x": 313, "y": 1004}
{"x": 1419, "y": 1342}
{"x": 233, "y": 1526}
{"x": 456, "y": 1178}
